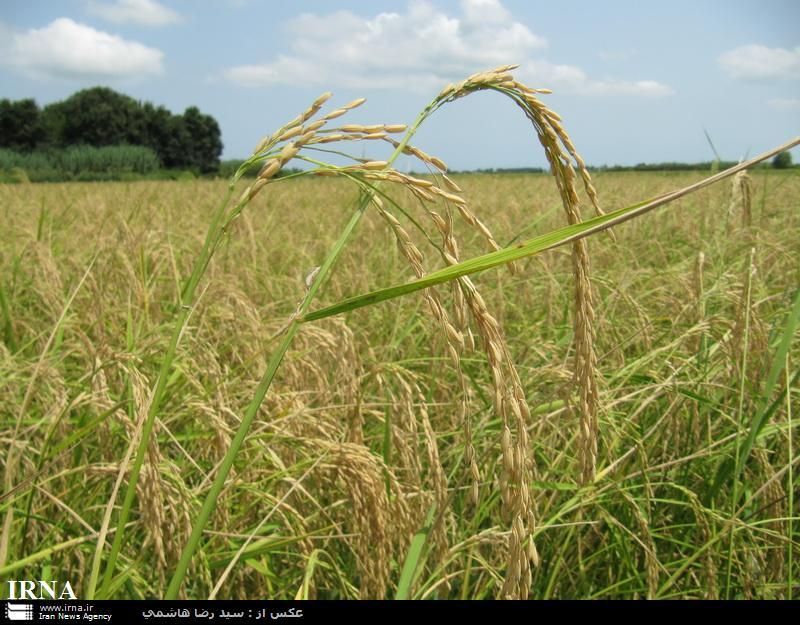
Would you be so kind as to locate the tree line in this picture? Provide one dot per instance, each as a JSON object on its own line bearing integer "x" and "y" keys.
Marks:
{"x": 781, "y": 161}
{"x": 101, "y": 117}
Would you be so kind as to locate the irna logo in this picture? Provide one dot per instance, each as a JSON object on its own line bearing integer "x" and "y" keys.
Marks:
{"x": 40, "y": 589}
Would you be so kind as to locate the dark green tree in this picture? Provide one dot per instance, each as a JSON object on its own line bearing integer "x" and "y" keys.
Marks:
{"x": 101, "y": 116}
{"x": 21, "y": 126}
{"x": 157, "y": 128}
{"x": 204, "y": 145}
{"x": 175, "y": 149}
{"x": 782, "y": 160}
{"x": 53, "y": 121}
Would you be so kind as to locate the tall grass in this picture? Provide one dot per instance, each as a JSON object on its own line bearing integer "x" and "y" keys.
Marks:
{"x": 82, "y": 162}
{"x": 393, "y": 452}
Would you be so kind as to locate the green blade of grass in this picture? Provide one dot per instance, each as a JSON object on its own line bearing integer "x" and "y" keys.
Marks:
{"x": 8, "y": 325}
{"x": 414, "y": 557}
{"x": 311, "y": 565}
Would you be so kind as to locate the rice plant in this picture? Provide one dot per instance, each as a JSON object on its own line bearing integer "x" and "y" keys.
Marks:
{"x": 562, "y": 441}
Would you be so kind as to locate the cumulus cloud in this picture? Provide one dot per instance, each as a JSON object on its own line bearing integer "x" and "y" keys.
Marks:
{"x": 65, "y": 48}
{"x": 421, "y": 48}
{"x": 572, "y": 79}
{"x": 141, "y": 12}
{"x": 756, "y": 62}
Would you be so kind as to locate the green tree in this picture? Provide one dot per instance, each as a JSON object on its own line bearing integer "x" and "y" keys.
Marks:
{"x": 21, "y": 126}
{"x": 204, "y": 145}
{"x": 175, "y": 148}
{"x": 157, "y": 128}
{"x": 53, "y": 121}
{"x": 100, "y": 116}
{"x": 782, "y": 160}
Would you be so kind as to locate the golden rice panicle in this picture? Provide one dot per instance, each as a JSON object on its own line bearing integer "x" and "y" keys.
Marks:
{"x": 741, "y": 199}
{"x": 457, "y": 333}
{"x": 452, "y": 335}
{"x": 377, "y": 515}
{"x": 315, "y": 107}
{"x": 341, "y": 111}
{"x": 705, "y": 535}
{"x": 467, "y": 215}
{"x": 552, "y": 136}
{"x": 296, "y": 129}
{"x": 166, "y": 516}
{"x": 354, "y": 104}
{"x": 748, "y": 344}
{"x": 652, "y": 565}
{"x": 375, "y": 165}
{"x": 516, "y": 472}
{"x": 561, "y": 154}
{"x": 290, "y": 134}
{"x": 509, "y": 397}
{"x": 542, "y": 117}
{"x": 696, "y": 293}
{"x": 481, "y": 80}
{"x": 270, "y": 140}
{"x": 408, "y": 149}
{"x": 456, "y": 337}
{"x": 415, "y": 410}
{"x": 771, "y": 498}
{"x": 553, "y": 120}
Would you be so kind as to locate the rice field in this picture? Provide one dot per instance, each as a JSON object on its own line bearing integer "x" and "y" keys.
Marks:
{"x": 609, "y": 419}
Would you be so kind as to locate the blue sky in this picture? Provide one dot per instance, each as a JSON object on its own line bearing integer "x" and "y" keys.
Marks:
{"x": 633, "y": 81}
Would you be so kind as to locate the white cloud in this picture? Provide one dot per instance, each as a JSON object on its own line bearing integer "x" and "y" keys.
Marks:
{"x": 755, "y": 62}
{"x": 422, "y": 48}
{"x": 142, "y": 12}
{"x": 65, "y": 48}
{"x": 785, "y": 104}
{"x": 572, "y": 79}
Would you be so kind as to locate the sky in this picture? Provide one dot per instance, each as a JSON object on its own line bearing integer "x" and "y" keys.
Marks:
{"x": 634, "y": 81}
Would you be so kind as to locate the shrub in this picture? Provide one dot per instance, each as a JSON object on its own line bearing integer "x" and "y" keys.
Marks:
{"x": 782, "y": 160}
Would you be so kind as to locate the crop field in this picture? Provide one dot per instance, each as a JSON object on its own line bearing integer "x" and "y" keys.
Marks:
{"x": 614, "y": 418}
